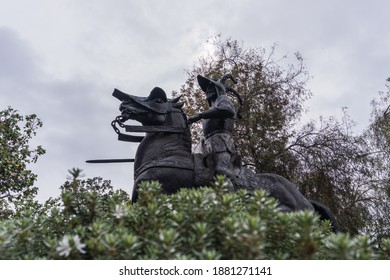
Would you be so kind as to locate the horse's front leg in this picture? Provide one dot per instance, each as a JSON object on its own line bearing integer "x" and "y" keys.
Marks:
{"x": 171, "y": 179}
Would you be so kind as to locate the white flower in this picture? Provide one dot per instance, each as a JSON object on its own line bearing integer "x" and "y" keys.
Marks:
{"x": 120, "y": 211}
{"x": 79, "y": 246}
{"x": 64, "y": 248}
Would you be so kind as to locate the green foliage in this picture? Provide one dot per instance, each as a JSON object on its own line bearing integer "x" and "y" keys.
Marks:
{"x": 94, "y": 222}
{"x": 16, "y": 180}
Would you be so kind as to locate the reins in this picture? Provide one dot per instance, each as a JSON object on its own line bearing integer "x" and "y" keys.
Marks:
{"x": 136, "y": 128}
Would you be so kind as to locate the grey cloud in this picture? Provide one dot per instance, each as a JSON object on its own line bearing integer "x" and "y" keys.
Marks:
{"x": 76, "y": 114}
{"x": 18, "y": 61}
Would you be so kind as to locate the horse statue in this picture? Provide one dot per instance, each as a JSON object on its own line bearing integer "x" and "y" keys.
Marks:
{"x": 165, "y": 154}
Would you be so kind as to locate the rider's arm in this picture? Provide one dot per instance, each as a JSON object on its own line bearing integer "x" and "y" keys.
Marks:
{"x": 222, "y": 109}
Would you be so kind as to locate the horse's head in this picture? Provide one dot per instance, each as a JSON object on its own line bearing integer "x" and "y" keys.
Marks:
{"x": 151, "y": 110}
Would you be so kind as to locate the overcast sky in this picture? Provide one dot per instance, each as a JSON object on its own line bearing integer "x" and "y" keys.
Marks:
{"x": 61, "y": 59}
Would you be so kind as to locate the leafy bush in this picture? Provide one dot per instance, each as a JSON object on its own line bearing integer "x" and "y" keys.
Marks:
{"x": 91, "y": 221}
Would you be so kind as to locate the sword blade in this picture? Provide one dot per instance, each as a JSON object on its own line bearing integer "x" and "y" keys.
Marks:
{"x": 114, "y": 160}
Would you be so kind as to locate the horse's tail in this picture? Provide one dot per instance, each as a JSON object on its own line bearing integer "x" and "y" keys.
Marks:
{"x": 325, "y": 214}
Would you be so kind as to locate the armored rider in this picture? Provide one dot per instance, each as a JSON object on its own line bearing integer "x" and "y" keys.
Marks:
{"x": 219, "y": 151}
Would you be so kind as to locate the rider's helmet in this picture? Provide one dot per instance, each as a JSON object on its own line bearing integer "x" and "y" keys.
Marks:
{"x": 213, "y": 89}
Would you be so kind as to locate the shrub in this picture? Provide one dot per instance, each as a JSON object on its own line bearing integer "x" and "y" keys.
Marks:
{"x": 91, "y": 221}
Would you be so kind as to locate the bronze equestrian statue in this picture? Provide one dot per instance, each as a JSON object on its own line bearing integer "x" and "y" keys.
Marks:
{"x": 164, "y": 153}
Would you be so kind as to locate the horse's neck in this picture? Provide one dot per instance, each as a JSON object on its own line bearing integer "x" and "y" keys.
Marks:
{"x": 176, "y": 118}
{"x": 158, "y": 145}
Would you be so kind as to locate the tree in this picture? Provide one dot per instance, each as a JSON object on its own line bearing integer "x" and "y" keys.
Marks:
{"x": 273, "y": 99}
{"x": 378, "y": 134}
{"x": 333, "y": 167}
{"x": 16, "y": 180}
{"x": 326, "y": 160}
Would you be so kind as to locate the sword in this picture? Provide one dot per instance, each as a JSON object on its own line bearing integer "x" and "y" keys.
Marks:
{"x": 114, "y": 160}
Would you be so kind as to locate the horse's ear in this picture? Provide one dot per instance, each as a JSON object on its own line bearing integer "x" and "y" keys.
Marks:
{"x": 179, "y": 105}
{"x": 175, "y": 100}
{"x": 121, "y": 95}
